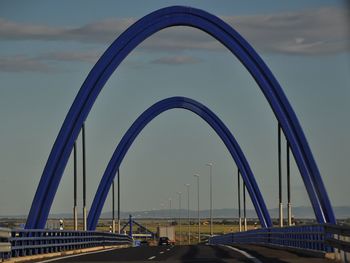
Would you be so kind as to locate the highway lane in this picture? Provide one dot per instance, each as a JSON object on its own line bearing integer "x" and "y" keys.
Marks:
{"x": 194, "y": 253}
{"x": 201, "y": 253}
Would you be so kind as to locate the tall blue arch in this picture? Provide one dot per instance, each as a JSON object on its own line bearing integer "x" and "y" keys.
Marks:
{"x": 115, "y": 54}
{"x": 147, "y": 116}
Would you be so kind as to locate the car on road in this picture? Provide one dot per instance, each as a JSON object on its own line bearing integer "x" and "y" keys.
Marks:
{"x": 163, "y": 241}
{"x": 144, "y": 243}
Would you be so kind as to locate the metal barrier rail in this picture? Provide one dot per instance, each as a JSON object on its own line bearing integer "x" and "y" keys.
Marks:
{"x": 340, "y": 240}
{"x": 311, "y": 237}
{"x": 5, "y": 245}
{"x": 33, "y": 242}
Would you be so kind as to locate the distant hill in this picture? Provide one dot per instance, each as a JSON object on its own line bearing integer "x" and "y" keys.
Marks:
{"x": 341, "y": 212}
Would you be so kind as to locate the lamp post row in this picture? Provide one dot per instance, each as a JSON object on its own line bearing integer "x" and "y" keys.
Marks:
{"x": 198, "y": 215}
{"x": 289, "y": 206}
{"x": 210, "y": 165}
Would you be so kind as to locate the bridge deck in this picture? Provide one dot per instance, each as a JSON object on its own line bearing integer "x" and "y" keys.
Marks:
{"x": 201, "y": 253}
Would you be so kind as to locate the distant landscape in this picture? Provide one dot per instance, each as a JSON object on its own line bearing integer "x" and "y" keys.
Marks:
{"x": 341, "y": 212}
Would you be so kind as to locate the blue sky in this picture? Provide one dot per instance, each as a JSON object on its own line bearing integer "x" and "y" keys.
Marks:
{"x": 48, "y": 47}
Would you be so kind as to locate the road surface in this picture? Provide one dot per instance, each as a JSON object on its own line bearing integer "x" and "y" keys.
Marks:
{"x": 201, "y": 253}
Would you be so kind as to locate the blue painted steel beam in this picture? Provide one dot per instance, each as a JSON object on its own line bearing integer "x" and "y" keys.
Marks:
{"x": 206, "y": 114}
{"x": 115, "y": 54}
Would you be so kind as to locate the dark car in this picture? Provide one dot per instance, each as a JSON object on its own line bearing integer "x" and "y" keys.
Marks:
{"x": 144, "y": 243}
{"x": 164, "y": 241}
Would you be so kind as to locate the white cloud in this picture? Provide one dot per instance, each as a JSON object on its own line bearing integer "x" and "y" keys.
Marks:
{"x": 310, "y": 32}
{"x": 101, "y": 31}
{"x": 176, "y": 60}
{"x": 318, "y": 31}
{"x": 41, "y": 63}
{"x": 87, "y": 56}
{"x": 21, "y": 63}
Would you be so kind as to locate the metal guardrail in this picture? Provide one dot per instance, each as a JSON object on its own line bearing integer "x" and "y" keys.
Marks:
{"x": 5, "y": 245}
{"x": 339, "y": 240}
{"x": 312, "y": 237}
{"x": 32, "y": 242}
{"x": 325, "y": 238}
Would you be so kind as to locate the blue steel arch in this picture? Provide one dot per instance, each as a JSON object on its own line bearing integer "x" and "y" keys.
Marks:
{"x": 115, "y": 54}
{"x": 147, "y": 116}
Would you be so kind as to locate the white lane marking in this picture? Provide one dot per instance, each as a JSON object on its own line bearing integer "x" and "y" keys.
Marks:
{"x": 76, "y": 255}
{"x": 244, "y": 253}
{"x": 161, "y": 252}
{"x": 168, "y": 249}
{"x": 152, "y": 257}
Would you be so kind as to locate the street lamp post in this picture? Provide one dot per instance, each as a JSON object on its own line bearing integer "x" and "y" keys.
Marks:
{"x": 162, "y": 210}
{"x": 199, "y": 220}
{"x": 170, "y": 212}
{"x": 84, "y": 179}
{"x": 113, "y": 209}
{"x": 145, "y": 216}
{"x": 188, "y": 213}
{"x": 244, "y": 208}
{"x": 280, "y": 177}
{"x": 288, "y": 188}
{"x": 239, "y": 201}
{"x": 75, "y": 210}
{"x": 179, "y": 193}
{"x": 211, "y": 198}
{"x": 118, "y": 186}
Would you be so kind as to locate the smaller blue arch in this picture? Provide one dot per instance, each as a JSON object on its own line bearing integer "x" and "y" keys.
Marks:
{"x": 146, "y": 117}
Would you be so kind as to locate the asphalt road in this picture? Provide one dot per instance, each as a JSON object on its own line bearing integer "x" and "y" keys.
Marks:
{"x": 193, "y": 253}
{"x": 201, "y": 253}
